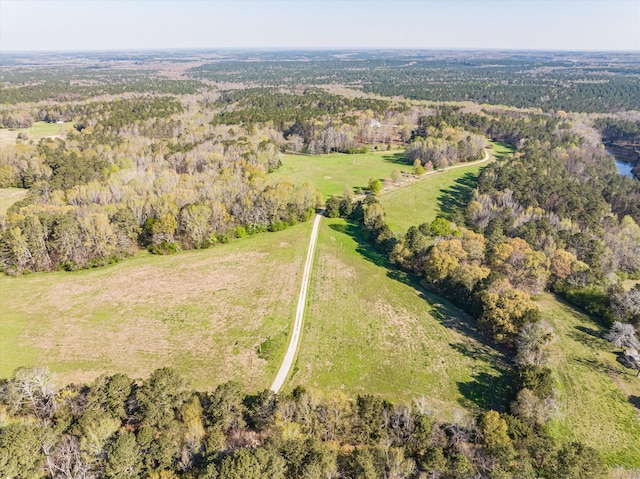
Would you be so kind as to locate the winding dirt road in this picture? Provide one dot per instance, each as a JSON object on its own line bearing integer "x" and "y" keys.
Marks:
{"x": 290, "y": 355}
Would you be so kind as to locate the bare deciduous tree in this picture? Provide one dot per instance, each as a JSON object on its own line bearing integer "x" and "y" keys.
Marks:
{"x": 35, "y": 389}
{"x": 623, "y": 335}
{"x": 533, "y": 344}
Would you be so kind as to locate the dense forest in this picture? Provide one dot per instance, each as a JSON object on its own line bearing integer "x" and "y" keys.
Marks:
{"x": 579, "y": 85}
{"x": 169, "y": 158}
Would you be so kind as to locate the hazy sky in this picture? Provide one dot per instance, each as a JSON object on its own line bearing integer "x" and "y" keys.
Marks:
{"x": 138, "y": 24}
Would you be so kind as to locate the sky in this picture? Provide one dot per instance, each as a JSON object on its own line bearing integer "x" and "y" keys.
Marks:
{"x": 49, "y": 25}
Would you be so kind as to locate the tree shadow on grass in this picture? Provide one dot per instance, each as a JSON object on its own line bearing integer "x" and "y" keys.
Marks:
{"x": 395, "y": 158}
{"x": 444, "y": 311}
{"x": 456, "y": 197}
{"x": 589, "y": 337}
{"x": 364, "y": 248}
{"x": 486, "y": 391}
{"x": 594, "y": 364}
{"x": 495, "y": 388}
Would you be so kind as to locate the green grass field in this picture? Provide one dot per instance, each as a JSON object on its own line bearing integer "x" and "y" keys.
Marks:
{"x": 599, "y": 398}
{"x": 9, "y": 196}
{"x": 425, "y": 199}
{"x": 439, "y": 193}
{"x": 214, "y": 315}
{"x": 500, "y": 149}
{"x": 332, "y": 173}
{"x": 38, "y": 130}
{"x": 370, "y": 330}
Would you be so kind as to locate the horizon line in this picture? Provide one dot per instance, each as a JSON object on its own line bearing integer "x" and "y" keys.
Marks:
{"x": 317, "y": 48}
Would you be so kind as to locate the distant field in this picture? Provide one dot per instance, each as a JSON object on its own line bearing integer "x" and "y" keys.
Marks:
{"x": 500, "y": 149}
{"x": 9, "y": 196}
{"x": 368, "y": 332}
{"x": 214, "y": 315}
{"x": 332, "y": 173}
{"x": 37, "y": 131}
{"x": 599, "y": 398}
{"x": 435, "y": 194}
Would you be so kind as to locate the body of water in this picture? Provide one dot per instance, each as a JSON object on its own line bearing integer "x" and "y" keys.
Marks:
{"x": 622, "y": 163}
{"x": 624, "y": 168}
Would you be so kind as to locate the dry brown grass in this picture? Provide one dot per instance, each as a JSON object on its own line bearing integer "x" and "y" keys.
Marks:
{"x": 202, "y": 312}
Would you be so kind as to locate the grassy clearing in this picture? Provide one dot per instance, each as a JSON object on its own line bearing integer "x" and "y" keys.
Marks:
{"x": 369, "y": 329}
{"x": 599, "y": 398}
{"x": 215, "y": 315}
{"x": 38, "y": 130}
{"x": 332, "y": 173}
{"x": 424, "y": 200}
{"x": 436, "y": 194}
{"x": 9, "y": 196}
{"x": 500, "y": 150}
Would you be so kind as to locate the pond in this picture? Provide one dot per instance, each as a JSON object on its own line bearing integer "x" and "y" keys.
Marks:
{"x": 624, "y": 168}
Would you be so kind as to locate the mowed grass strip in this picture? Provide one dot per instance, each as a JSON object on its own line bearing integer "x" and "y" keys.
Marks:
{"x": 9, "y": 196}
{"x": 333, "y": 172}
{"x": 440, "y": 193}
{"x": 36, "y": 132}
{"x": 368, "y": 329}
{"x": 599, "y": 398}
{"x": 215, "y": 315}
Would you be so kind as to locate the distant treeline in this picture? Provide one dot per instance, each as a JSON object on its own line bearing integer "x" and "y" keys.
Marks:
{"x": 550, "y": 85}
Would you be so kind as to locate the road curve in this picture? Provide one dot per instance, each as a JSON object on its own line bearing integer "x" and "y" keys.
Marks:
{"x": 457, "y": 165}
{"x": 404, "y": 184}
{"x": 290, "y": 355}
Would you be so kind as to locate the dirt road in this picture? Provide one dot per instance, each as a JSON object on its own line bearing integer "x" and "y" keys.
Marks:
{"x": 290, "y": 355}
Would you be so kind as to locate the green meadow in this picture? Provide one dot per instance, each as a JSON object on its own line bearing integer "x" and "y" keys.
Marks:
{"x": 9, "y": 196}
{"x": 598, "y": 398}
{"x": 436, "y": 194}
{"x": 215, "y": 315}
{"x": 334, "y": 172}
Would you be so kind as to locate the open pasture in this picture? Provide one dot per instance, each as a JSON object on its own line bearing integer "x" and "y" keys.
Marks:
{"x": 333, "y": 172}
{"x": 440, "y": 193}
{"x": 215, "y": 315}
{"x": 36, "y": 132}
{"x": 9, "y": 196}
{"x": 599, "y": 399}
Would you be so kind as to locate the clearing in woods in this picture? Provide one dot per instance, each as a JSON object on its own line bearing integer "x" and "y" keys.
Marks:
{"x": 214, "y": 315}
{"x": 9, "y": 196}
{"x": 333, "y": 172}
{"x": 369, "y": 329}
{"x": 37, "y": 131}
